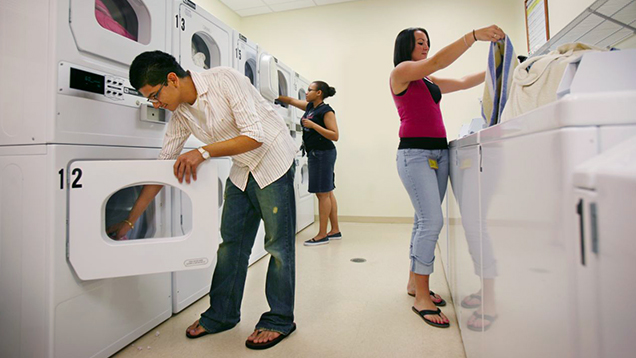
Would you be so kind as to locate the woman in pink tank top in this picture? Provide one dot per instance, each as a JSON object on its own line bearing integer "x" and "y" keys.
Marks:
{"x": 422, "y": 157}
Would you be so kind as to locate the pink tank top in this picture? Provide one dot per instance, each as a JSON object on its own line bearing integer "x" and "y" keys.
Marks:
{"x": 420, "y": 116}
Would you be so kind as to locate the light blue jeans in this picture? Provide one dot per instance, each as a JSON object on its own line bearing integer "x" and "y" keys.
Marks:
{"x": 426, "y": 188}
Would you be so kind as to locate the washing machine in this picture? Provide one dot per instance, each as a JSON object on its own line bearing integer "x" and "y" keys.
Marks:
{"x": 245, "y": 56}
{"x": 76, "y": 142}
{"x": 524, "y": 213}
{"x": 605, "y": 187}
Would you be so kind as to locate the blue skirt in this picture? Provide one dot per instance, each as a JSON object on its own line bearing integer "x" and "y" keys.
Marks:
{"x": 321, "y": 170}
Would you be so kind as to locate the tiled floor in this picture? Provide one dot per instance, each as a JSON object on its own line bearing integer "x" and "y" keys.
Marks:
{"x": 343, "y": 309}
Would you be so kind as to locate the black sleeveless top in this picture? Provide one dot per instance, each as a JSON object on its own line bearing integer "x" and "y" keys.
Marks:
{"x": 312, "y": 140}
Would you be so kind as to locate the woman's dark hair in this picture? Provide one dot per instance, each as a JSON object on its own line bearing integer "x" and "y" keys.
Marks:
{"x": 405, "y": 43}
{"x": 152, "y": 68}
{"x": 326, "y": 90}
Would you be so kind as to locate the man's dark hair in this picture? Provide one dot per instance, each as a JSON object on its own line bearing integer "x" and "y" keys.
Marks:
{"x": 152, "y": 68}
{"x": 405, "y": 43}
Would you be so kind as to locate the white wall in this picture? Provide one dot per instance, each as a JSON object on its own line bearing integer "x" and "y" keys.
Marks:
{"x": 562, "y": 12}
{"x": 350, "y": 46}
{"x": 222, "y": 12}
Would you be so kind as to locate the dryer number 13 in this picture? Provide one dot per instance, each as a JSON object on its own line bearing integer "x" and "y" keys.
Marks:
{"x": 76, "y": 173}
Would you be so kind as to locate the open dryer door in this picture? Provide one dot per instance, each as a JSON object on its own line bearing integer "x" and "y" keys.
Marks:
{"x": 94, "y": 255}
{"x": 268, "y": 77}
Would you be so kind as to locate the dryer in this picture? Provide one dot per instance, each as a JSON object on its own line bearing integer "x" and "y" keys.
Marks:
{"x": 69, "y": 166}
{"x": 305, "y": 208}
{"x": 188, "y": 287}
{"x": 200, "y": 41}
{"x": 300, "y": 86}
{"x": 245, "y": 56}
{"x": 305, "y": 214}
{"x": 285, "y": 86}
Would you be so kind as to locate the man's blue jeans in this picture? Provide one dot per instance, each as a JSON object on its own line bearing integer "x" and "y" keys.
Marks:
{"x": 242, "y": 214}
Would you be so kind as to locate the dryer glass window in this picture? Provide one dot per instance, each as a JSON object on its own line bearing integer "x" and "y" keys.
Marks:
{"x": 282, "y": 89}
{"x": 205, "y": 51}
{"x": 118, "y": 16}
{"x": 153, "y": 223}
{"x": 250, "y": 70}
{"x": 301, "y": 94}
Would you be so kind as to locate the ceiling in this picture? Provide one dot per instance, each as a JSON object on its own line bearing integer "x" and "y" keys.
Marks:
{"x": 258, "y": 7}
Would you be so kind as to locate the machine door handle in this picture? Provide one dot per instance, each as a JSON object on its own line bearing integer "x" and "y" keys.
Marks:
{"x": 579, "y": 211}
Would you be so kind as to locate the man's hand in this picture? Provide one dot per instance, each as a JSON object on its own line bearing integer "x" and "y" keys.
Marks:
{"x": 186, "y": 165}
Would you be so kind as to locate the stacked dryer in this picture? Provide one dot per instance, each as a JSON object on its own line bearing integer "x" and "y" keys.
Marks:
{"x": 246, "y": 62}
{"x": 70, "y": 166}
{"x": 200, "y": 41}
{"x": 305, "y": 214}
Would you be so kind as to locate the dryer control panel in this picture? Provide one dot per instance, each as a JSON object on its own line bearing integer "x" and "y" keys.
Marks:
{"x": 79, "y": 81}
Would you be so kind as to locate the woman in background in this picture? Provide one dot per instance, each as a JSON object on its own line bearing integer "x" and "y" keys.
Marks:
{"x": 422, "y": 157}
{"x": 320, "y": 130}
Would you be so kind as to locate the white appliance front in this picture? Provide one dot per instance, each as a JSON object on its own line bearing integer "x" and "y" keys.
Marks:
{"x": 99, "y": 37}
{"x": 92, "y": 183}
{"x": 189, "y": 286}
{"x": 301, "y": 85}
{"x": 44, "y": 298}
{"x": 529, "y": 216}
{"x": 465, "y": 272}
{"x": 117, "y": 30}
{"x": 606, "y": 189}
{"x": 305, "y": 214}
{"x": 200, "y": 40}
{"x": 246, "y": 57}
{"x": 285, "y": 86}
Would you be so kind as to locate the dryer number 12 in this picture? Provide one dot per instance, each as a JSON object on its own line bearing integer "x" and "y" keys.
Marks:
{"x": 77, "y": 173}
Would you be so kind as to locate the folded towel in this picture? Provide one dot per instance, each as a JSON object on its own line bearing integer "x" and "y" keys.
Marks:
{"x": 502, "y": 61}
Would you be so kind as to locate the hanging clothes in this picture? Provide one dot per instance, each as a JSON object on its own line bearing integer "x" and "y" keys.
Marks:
{"x": 502, "y": 62}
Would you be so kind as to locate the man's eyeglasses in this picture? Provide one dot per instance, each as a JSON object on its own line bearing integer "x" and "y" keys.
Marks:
{"x": 155, "y": 97}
